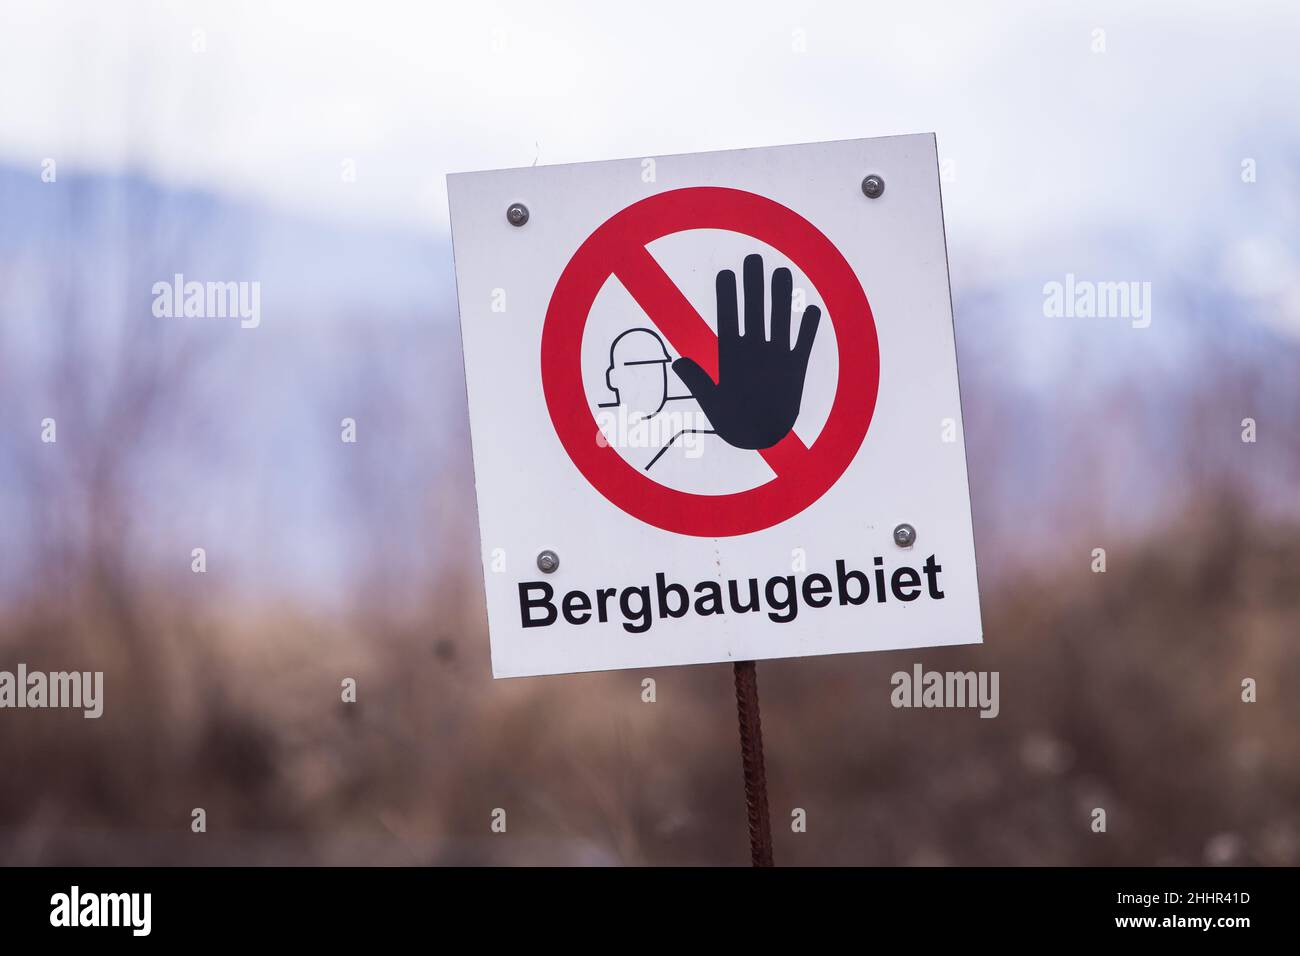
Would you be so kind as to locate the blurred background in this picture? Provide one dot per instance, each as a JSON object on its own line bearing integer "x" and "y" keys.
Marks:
{"x": 304, "y": 146}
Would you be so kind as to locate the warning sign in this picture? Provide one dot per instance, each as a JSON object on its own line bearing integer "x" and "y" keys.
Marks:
{"x": 714, "y": 407}
{"x": 749, "y": 386}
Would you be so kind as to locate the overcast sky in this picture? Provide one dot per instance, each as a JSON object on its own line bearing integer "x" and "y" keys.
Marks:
{"x": 1037, "y": 126}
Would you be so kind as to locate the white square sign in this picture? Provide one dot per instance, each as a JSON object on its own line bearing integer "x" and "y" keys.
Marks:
{"x": 714, "y": 408}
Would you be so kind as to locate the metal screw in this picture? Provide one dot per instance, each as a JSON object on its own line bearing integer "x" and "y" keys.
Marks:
{"x": 517, "y": 214}
{"x": 904, "y": 536}
{"x": 548, "y": 561}
{"x": 873, "y": 186}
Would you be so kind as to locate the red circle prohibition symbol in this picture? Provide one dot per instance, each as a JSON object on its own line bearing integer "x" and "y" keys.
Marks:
{"x": 803, "y": 473}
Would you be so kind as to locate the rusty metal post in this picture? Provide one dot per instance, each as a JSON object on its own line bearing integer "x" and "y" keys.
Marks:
{"x": 751, "y": 755}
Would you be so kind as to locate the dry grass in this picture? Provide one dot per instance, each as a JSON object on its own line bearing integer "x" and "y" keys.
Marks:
{"x": 1119, "y": 690}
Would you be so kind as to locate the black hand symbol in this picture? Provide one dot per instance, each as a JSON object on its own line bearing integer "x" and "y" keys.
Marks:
{"x": 755, "y": 401}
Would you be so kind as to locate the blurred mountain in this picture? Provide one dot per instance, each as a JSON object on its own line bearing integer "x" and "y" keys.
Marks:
{"x": 203, "y": 433}
{"x": 1073, "y": 424}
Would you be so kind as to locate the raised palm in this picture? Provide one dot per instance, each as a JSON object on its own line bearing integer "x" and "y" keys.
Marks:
{"x": 755, "y": 401}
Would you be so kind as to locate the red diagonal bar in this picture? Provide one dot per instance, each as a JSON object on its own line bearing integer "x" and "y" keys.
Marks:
{"x": 670, "y": 310}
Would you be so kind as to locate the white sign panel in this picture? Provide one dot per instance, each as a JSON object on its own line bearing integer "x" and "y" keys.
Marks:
{"x": 705, "y": 392}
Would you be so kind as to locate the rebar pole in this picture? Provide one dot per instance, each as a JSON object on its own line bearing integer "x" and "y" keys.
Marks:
{"x": 751, "y": 755}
